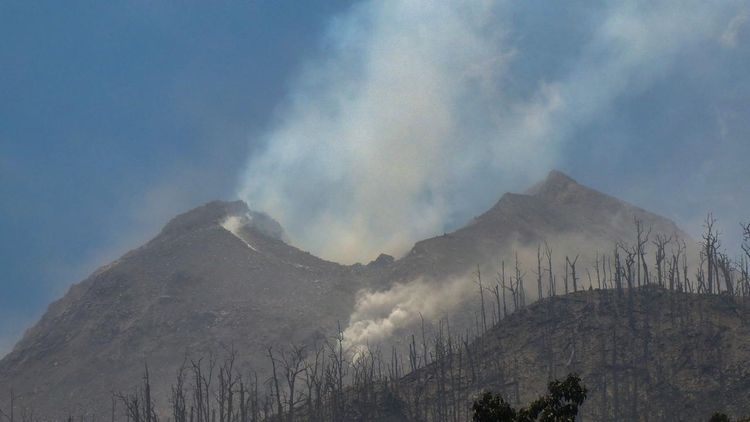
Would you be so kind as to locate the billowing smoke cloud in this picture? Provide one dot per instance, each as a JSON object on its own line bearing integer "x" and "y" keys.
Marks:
{"x": 411, "y": 120}
{"x": 377, "y": 315}
{"x": 234, "y": 224}
{"x": 380, "y": 139}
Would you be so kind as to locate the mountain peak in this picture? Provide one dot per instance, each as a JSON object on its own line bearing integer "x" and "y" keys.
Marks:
{"x": 557, "y": 175}
{"x": 234, "y": 216}
{"x": 206, "y": 215}
{"x": 196, "y": 286}
{"x": 555, "y": 182}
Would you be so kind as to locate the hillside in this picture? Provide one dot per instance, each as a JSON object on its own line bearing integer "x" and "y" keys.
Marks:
{"x": 557, "y": 215}
{"x": 222, "y": 276}
{"x": 572, "y": 218}
{"x": 652, "y": 354}
{"x": 196, "y": 288}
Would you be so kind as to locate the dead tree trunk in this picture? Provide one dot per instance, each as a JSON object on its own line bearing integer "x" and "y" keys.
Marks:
{"x": 640, "y": 252}
{"x": 661, "y": 242}
{"x": 178, "y": 401}
{"x": 709, "y": 247}
{"x": 292, "y": 363}
{"x": 539, "y": 271}
{"x": 501, "y": 279}
{"x": 276, "y": 388}
{"x": 572, "y": 265}
{"x": 478, "y": 281}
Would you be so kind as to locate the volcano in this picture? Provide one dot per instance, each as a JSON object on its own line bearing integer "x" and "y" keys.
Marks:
{"x": 222, "y": 276}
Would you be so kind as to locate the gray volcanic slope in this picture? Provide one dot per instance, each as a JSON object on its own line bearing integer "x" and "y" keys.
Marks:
{"x": 197, "y": 285}
{"x": 192, "y": 287}
{"x": 648, "y": 354}
{"x": 572, "y": 218}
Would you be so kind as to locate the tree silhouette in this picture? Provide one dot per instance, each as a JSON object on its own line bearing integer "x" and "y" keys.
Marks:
{"x": 561, "y": 403}
{"x": 491, "y": 407}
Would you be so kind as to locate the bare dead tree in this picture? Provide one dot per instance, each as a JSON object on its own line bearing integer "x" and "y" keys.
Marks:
{"x": 661, "y": 242}
{"x": 139, "y": 404}
{"x": 618, "y": 271}
{"x": 243, "y": 414}
{"x": 313, "y": 370}
{"x": 202, "y": 379}
{"x": 539, "y": 271}
{"x": 149, "y": 409}
{"x": 424, "y": 341}
{"x": 709, "y": 247}
{"x": 572, "y": 265}
{"x": 114, "y": 408}
{"x": 548, "y": 254}
{"x": 228, "y": 380}
{"x": 630, "y": 258}
{"x": 413, "y": 359}
{"x": 700, "y": 275}
{"x": 496, "y": 293}
{"x": 249, "y": 399}
{"x": 674, "y": 268}
{"x": 686, "y": 280}
{"x": 726, "y": 268}
{"x": 292, "y": 362}
{"x": 478, "y": 281}
{"x": 470, "y": 357}
{"x": 744, "y": 268}
{"x": 640, "y": 252}
{"x": 519, "y": 290}
{"x": 500, "y": 277}
{"x": 178, "y": 399}
{"x": 338, "y": 372}
{"x": 275, "y": 383}
{"x": 565, "y": 278}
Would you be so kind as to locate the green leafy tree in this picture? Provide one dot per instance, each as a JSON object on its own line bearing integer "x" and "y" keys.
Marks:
{"x": 561, "y": 403}
{"x": 492, "y": 407}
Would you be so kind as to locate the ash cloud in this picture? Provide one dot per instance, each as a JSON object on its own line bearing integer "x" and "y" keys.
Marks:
{"x": 379, "y": 139}
{"x": 378, "y": 314}
{"x": 410, "y": 122}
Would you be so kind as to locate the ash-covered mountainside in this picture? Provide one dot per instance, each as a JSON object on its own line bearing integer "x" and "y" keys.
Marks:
{"x": 573, "y": 219}
{"x": 194, "y": 287}
{"x": 644, "y": 354}
{"x": 223, "y": 276}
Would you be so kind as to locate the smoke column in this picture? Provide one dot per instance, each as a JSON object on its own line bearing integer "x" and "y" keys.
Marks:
{"x": 380, "y": 140}
{"x": 377, "y": 315}
{"x": 408, "y": 122}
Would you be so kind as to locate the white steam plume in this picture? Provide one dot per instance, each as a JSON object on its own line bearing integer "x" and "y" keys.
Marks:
{"x": 380, "y": 138}
{"x": 234, "y": 224}
{"x": 377, "y": 315}
{"x": 408, "y": 122}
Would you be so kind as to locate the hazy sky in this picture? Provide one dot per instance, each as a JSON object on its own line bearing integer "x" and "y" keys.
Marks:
{"x": 349, "y": 120}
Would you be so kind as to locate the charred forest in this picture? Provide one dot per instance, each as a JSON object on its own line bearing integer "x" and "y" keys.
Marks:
{"x": 655, "y": 334}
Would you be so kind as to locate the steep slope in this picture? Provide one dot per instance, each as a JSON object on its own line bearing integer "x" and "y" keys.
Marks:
{"x": 193, "y": 287}
{"x": 573, "y": 219}
{"x": 223, "y": 275}
{"x": 651, "y": 354}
